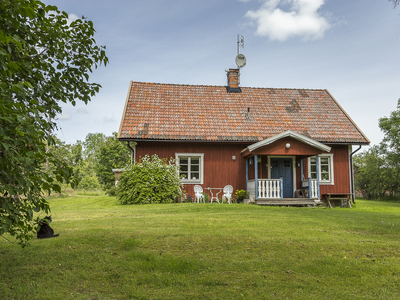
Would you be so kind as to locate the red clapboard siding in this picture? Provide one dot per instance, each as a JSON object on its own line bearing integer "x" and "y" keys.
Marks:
{"x": 219, "y": 167}
{"x": 340, "y": 169}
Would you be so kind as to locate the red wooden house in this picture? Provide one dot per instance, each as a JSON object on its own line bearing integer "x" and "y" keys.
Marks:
{"x": 272, "y": 142}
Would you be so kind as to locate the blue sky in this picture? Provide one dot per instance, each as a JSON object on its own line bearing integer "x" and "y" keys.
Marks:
{"x": 350, "y": 48}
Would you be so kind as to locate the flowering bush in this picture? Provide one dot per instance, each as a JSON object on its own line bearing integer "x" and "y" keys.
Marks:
{"x": 153, "y": 180}
{"x": 241, "y": 194}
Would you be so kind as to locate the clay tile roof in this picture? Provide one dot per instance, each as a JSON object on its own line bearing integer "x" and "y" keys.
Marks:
{"x": 209, "y": 113}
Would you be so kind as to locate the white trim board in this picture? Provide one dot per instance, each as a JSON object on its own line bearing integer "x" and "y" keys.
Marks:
{"x": 292, "y": 134}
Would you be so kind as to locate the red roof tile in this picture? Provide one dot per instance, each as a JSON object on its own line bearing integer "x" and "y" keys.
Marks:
{"x": 192, "y": 112}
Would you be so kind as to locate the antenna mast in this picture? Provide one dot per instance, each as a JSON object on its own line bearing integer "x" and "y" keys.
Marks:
{"x": 240, "y": 58}
{"x": 240, "y": 42}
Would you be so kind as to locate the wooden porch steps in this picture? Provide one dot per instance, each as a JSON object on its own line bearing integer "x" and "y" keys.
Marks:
{"x": 286, "y": 201}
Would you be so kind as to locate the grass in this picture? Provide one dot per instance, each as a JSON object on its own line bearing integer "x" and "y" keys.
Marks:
{"x": 203, "y": 251}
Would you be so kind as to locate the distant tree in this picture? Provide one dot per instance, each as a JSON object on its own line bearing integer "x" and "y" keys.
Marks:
{"x": 44, "y": 60}
{"x": 92, "y": 144}
{"x": 61, "y": 152}
{"x": 89, "y": 182}
{"x": 390, "y": 145}
{"x": 113, "y": 154}
{"x": 77, "y": 160}
{"x": 372, "y": 174}
{"x": 390, "y": 126}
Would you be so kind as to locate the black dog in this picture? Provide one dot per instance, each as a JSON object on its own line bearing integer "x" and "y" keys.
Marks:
{"x": 45, "y": 230}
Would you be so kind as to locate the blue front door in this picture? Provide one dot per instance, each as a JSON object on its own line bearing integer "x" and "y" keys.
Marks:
{"x": 282, "y": 167}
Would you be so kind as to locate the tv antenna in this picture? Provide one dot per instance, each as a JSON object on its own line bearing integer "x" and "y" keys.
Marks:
{"x": 240, "y": 42}
{"x": 240, "y": 58}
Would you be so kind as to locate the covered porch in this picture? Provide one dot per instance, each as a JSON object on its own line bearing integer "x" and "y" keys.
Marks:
{"x": 278, "y": 170}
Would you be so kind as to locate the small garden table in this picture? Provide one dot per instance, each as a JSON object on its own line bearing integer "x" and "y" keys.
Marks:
{"x": 212, "y": 194}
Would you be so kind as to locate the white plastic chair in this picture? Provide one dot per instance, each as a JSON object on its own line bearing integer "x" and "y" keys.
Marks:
{"x": 228, "y": 190}
{"x": 198, "y": 193}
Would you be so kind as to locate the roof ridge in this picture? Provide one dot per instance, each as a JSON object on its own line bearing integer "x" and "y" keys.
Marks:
{"x": 223, "y": 86}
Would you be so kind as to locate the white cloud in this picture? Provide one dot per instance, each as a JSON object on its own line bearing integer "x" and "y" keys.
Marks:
{"x": 301, "y": 19}
{"x": 71, "y": 18}
{"x": 64, "y": 116}
{"x": 82, "y": 111}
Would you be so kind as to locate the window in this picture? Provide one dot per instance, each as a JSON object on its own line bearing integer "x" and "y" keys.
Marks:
{"x": 191, "y": 167}
{"x": 325, "y": 162}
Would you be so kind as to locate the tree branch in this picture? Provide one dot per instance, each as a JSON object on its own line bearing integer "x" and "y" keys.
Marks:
{"x": 395, "y": 3}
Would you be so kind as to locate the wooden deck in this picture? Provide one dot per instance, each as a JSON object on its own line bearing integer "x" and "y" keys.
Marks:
{"x": 286, "y": 201}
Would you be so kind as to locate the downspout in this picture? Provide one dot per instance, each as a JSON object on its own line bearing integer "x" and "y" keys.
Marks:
{"x": 352, "y": 173}
{"x": 132, "y": 152}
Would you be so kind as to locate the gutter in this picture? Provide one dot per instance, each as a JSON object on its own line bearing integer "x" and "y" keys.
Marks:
{"x": 352, "y": 173}
{"x": 132, "y": 152}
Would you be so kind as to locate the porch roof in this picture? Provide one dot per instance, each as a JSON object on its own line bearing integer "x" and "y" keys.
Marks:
{"x": 294, "y": 135}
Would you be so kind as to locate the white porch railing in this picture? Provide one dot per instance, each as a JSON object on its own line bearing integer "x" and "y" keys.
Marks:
{"x": 269, "y": 188}
{"x": 313, "y": 188}
{"x": 266, "y": 188}
{"x": 272, "y": 188}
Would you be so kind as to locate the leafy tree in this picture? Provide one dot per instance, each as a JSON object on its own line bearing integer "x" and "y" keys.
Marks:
{"x": 92, "y": 144}
{"x": 152, "y": 180}
{"x": 89, "y": 182}
{"x": 77, "y": 153}
{"x": 112, "y": 155}
{"x": 390, "y": 126}
{"x": 44, "y": 60}
{"x": 390, "y": 145}
{"x": 61, "y": 152}
{"x": 372, "y": 174}
{"x": 77, "y": 159}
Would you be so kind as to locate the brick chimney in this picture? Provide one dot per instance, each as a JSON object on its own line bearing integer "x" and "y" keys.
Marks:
{"x": 233, "y": 81}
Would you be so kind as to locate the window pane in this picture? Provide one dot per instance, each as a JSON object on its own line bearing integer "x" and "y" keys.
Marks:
{"x": 183, "y": 160}
{"x": 312, "y": 160}
{"x": 324, "y": 169}
{"x": 325, "y": 176}
{"x": 313, "y": 168}
{"x": 195, "y": 176}
{"x": 324, "y": 160}
{"x": 195, "y": 161}
{"x": 184, "y": 168}
{"x": 195, "y": 168}
{"x": 313, "y": 175}
{"x": 183, "y": 175}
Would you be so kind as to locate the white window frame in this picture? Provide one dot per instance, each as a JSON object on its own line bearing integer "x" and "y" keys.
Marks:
{"x": 331, "y": 181}
{"x": 201, "y": 168}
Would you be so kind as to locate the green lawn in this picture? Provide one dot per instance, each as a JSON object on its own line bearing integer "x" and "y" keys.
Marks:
{"x": 203, "y": 251}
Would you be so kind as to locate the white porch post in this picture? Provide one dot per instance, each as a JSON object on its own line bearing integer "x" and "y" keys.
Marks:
{"x": 317, "y": 166}
{"x": 247, "y": 174}
{"x": 256, "y": 174}
{"x": 302, "y": 174}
